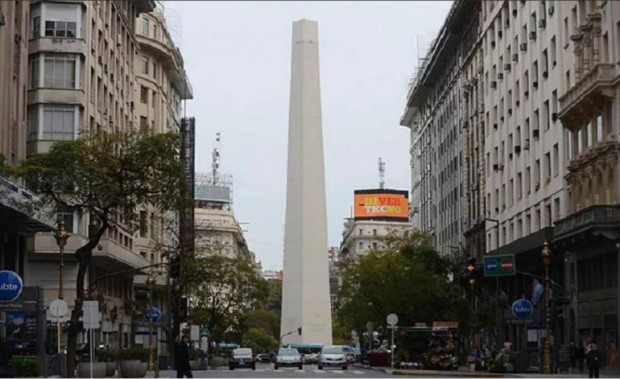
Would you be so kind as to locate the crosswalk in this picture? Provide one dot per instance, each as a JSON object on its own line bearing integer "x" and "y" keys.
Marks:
{"x": 308, "y": 370}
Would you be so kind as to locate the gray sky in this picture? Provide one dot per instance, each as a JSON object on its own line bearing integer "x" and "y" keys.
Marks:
{"x": 237, "y": 55}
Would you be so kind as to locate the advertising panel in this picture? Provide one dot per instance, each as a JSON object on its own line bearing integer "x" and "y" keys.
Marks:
{"x": 389, "y": 205}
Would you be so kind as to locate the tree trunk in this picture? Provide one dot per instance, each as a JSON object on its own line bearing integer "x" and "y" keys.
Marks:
{"x": 83, "y": 256}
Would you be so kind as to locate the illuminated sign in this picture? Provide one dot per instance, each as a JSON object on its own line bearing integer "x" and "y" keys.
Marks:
{"x": 391, "y": 205}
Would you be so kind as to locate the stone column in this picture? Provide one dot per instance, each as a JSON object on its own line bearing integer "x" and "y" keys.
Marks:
{"x": 587, "y": 51}
{"x": 578, "y": 51}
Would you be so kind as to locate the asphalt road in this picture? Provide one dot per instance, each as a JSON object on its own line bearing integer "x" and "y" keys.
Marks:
{"x": 264, "y": 370}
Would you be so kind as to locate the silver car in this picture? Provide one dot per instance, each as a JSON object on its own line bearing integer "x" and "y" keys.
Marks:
{"x": 333, "y": 356}
{"x": 288, "y": 357}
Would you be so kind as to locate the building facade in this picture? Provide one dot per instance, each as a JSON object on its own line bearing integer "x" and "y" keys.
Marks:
{"x": 362, "y": 236}
{"x": 435, "y": 114}
{"x": 539, "y": 108}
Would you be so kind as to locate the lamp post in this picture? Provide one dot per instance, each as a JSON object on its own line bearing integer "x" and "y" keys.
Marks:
{"x": 149, "y": 282}
{"x": 61, "y": 240}
{"x": 471, "y": 268}
{"x": 546, "y": 258}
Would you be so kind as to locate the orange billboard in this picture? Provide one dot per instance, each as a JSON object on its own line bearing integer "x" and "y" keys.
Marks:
{"x": 381, "y": 205}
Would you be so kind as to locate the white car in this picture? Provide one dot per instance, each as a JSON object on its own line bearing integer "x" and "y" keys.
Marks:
{"x": 333, "y": 356}
{"x": 288, "y": 357}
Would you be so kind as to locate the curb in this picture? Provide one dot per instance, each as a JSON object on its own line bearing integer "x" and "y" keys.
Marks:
{"x": 431, "y": 373}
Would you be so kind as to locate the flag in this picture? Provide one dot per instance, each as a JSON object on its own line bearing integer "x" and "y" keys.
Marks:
{"x": 537, "y": 291}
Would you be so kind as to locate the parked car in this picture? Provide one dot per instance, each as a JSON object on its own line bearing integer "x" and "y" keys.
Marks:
{"x": 242, "y": 357}
{"x": 264, "y": 358}
{"x": 333, "y": 356}
{"x": 288, "y": 357}
{"x": 310, "y": 358}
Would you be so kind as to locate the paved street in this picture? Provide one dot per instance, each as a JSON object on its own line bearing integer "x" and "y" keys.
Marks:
{"x": 267, "y": 371}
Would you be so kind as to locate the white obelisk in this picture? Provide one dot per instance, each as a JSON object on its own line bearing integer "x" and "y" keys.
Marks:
{"x": 305, "y": 291}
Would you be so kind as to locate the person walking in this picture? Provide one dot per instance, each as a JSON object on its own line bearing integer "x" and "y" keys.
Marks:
{"x": 580, "y": 356}
{"x": 181, "y": 359}
{"x": 573, "y": 356}
{"x": 593, "y": 360}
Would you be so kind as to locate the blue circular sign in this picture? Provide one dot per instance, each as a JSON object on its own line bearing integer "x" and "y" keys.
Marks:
{"x": 11, "y": 286}
{"x": 522, "y": 308}
{"x": 153, "y": 314}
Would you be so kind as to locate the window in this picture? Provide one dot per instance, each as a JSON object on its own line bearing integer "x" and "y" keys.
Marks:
{"x": 59, "y": 71}
{"x": 556, "y": 160}
{"x": 145, "y": 26}
{"x": 143, "y": 122}
{"x": 58, "y": 122}
{"x": 36, "y": 26}
{"x": 553, "y": 52}
{"x": 145, "y": 65}
{"x": 61, "y": 20}
{"x": 144, "y": 95}
{"x": 66, "y": 215}
{"x": 33, "y": 123}
{"x": 60, "y": 29}
{"x": 34, "y": 72}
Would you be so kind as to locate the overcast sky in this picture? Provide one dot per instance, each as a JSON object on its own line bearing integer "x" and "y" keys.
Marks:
{"x": 238, "y": 56}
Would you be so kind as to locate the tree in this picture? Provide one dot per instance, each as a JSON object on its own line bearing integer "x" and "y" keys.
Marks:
{"x": 274, "y": 301}
{"x": 108, "y": 176}
{"x": 259, "y": 341}
{"x": 409, "y": 278}
{"x": 265, "y": 320}
{"x": 221, "y": 291}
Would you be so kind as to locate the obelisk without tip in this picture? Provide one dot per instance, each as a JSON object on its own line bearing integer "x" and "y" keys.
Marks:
{"x": 305, "y": 291}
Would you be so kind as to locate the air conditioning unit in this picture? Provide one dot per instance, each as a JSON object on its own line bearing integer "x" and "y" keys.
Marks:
{"x": 493, "y": 84}
{"x": 514, "y": 12}
{"x": 510, "y": 111}
{"x": 510, "y": 156}
{"x": 554, "y": 116}
{"x": 501, "y": 119}
{"x": 507, "y": 66}
{"x": 515, "y": 57}
{"x": 517, "y": 103}
{"x": 495, "y": 126}
{"x": 535, "y": 133}
{"x": 542, "y": 23}
{"x": 517, "y": 149}
{"x": 499, "y": 34}
{"x": 535, "y": 83}
{"x": 545, "y": 74}
{"x": 526, "y": 94}
{"x": 500, "y": 76}
{"x": 526, "y": 144}
{"x": 523, "y": 47}
{"x": 532, "y": 36}
{"x": 495, "y": 167}
{"x": 493, "y": 44}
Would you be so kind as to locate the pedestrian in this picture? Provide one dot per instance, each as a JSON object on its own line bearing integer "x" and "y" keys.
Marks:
{"x": 181, "y": 359}
{"x": 573, "y": 355}
{"x": 580, "y": 356}
{"x": 593, "y": 359}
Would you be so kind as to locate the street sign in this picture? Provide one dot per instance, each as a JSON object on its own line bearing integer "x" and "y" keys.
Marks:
{"x": 11, "y": 286}
{"x": 522, "y": 309}
{"x": 58, "y": 308}
{"x": 499, "y": 265}
{"x": 91, "y": 317}
{"x": 152, "y": 313}
{"x": 392, "y": 319}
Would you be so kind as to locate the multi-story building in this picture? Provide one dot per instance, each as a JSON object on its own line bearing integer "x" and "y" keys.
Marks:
{"x": 586, "y": 239}
{"x": 362, "y": 236}
{"x": 81, "y": 62}
{"x": 434, "y": 113}
{"x": 217, "y": 229}
{"x": 334, "y": 276}
{"x": 539, "y": 111}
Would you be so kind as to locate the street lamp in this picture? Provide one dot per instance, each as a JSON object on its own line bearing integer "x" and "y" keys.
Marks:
{"x": 546, "y": 258}
{"x": 150, "y": 280}
{"x": 61, "y": 240}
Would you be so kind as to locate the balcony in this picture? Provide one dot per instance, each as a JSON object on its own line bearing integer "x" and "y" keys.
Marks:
{"x": 58, "y": 45}
{"x": 18, "y": 209}
{"x": 108, "y": 253}
{"x": 604, "y": 218}
{"x": 594, "y": 89}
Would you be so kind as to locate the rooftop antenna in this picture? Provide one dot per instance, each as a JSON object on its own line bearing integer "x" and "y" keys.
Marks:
{"x": 381, "y": 174}
{"x": 215, "y": 158}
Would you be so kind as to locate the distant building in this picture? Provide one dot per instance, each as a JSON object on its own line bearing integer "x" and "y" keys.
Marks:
{"x": 378, "y": 214}
{"x": 334, "y": 277}
{"x": 273, "y": 274}
{"x": 217, "y": 229}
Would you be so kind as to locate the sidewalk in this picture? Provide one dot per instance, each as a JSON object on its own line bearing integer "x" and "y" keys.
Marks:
{"x": 464, "y": 372}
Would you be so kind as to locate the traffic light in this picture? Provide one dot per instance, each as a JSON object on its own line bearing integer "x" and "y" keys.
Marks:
{"x": 299, "y": 331}
{"x": 471, "y": 264}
